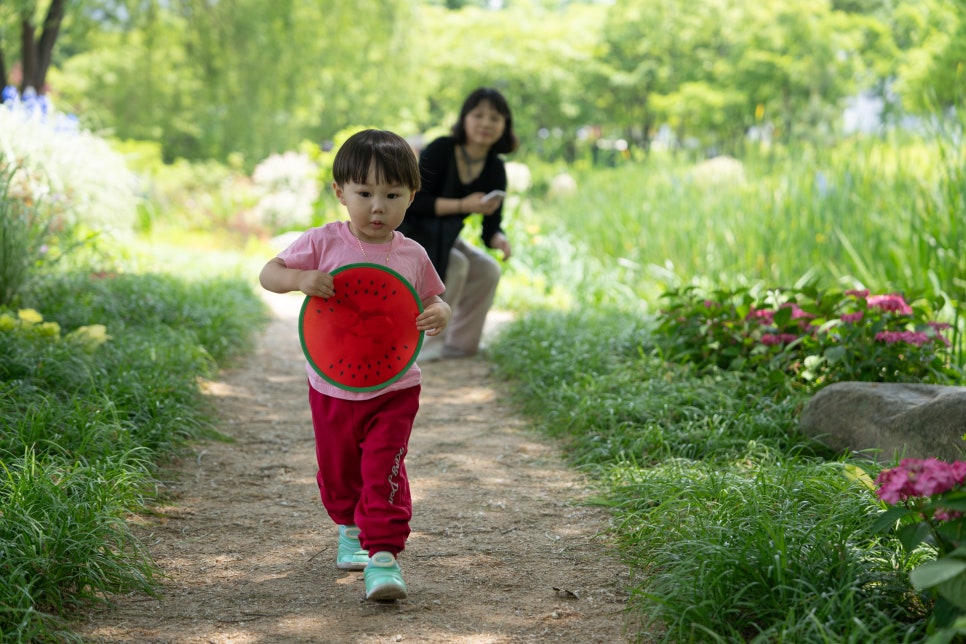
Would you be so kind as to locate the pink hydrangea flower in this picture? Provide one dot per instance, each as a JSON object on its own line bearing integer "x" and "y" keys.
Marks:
{"x": 889, "y": 303}
{"x": 916, "y": 338}
{"x": 761, "y": 315}
{"x": 797, "y": 312}
{"x": 947, "y": 515}
{"x": 852, "y": 318}
{"x": 919, "y": 478}
{"x": 772, "y": 339}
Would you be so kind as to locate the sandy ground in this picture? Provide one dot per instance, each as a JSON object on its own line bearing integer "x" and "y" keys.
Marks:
{"x": 502, "y": 548}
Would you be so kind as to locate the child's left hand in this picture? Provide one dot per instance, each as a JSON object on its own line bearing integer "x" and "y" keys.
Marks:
{"x": 434, "y": 318}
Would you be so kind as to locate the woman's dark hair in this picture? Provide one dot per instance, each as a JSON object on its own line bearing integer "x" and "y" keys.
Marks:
{"x": 394, "y": 159}
{"x": 508, "y": 142}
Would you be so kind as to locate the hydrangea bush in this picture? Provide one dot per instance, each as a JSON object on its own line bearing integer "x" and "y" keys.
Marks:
{"x": 927, "y": 500}
{"x": 807, "y": 336}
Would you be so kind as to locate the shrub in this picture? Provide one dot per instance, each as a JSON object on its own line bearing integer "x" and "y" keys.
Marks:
{"x": 73, "y": 177}
{"x": 807, "y": 336}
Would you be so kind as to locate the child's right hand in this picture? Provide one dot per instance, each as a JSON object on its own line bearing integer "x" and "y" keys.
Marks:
{"x": 316, "y": 283}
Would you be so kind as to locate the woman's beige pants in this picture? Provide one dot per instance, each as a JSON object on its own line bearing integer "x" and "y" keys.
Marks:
{"x": 471, "y": 279}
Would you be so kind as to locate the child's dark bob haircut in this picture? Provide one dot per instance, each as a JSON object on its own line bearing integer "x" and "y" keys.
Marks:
{"x": 387, "y": 153}
{"x": 508, "y": 142}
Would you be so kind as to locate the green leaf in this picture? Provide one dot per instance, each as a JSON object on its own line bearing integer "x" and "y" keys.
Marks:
{"x": 835, "y": 354}
{"x": 887, "y": 520}
{"x": 933, "y": 573}
{"x": 913, "y": 534}
{"x": 949, "y": 504}
{"x": 954, "y": 590}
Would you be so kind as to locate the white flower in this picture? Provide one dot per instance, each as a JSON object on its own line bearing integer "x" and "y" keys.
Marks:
{"x": 72, "y": 176}
{"x": 288, "y": 187}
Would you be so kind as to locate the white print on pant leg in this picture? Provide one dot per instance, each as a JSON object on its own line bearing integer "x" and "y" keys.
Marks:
{"x": 393, "y": 474}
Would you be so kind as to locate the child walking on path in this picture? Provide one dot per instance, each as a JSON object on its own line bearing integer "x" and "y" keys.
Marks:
{"x": 362, "y": 437}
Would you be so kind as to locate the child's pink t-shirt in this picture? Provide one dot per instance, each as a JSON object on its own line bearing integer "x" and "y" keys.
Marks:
{"x": 333, "y": 245}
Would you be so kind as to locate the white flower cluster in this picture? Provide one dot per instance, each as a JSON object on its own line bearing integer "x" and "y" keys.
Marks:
{"x": 69, "y": 175}
{"x": 287, "y": 187}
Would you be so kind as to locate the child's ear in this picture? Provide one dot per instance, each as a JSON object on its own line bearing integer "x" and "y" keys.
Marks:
{"x": 339, "y": 194}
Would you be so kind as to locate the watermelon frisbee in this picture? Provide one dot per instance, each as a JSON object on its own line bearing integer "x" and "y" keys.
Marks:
{"x": 364, "y": 337}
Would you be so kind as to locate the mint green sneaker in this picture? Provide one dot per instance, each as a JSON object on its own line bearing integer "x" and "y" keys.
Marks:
{"x": 351, "y": 556}
{"x": 384, "y": 580}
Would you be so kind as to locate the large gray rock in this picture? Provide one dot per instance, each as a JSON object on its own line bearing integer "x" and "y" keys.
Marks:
{"x": 884, "y": 420}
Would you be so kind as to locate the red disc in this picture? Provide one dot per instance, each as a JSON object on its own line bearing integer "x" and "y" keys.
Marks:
{"x": 364, "y": 337}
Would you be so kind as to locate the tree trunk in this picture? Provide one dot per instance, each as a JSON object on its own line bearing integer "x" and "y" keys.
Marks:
{"x": 37, "y": 54}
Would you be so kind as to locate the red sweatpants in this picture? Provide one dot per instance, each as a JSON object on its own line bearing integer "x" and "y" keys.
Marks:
{"x": 361, "y": 446}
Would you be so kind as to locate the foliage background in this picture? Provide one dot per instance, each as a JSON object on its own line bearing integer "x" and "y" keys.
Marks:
{"x": 212, "y": 79}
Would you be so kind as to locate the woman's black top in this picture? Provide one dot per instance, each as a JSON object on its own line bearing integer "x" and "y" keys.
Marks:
{"x": 440, "y": 178}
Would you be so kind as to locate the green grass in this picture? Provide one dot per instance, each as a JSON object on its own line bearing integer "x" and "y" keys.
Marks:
{"x": 738, "y": 527}
{"x": 84, "y": 428}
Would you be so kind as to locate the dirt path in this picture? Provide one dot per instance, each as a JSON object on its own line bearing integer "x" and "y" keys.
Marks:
{"x": 500, "y": 551}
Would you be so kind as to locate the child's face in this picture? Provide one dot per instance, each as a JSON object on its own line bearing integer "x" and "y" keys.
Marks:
{"x": 375, "y": 209}
{"x": 483, "y": 124}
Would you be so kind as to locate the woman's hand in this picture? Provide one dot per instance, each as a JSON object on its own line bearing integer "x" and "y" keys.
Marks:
{"x": 502, "y": 244}
{"x": 474, "y": 202}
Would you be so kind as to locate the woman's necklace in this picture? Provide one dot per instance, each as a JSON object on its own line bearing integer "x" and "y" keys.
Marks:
{"x": 468, "y": 160}
{"x": 472, "y": 168}
{"x": 392, "y": 236}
